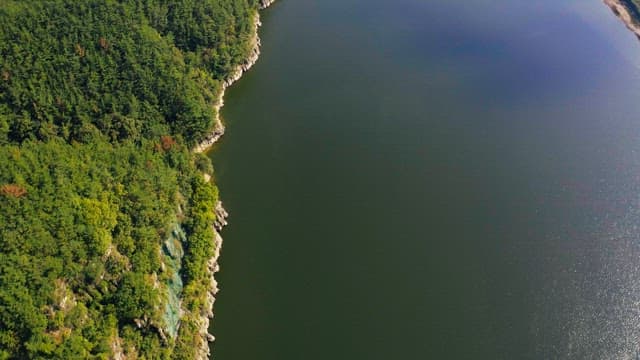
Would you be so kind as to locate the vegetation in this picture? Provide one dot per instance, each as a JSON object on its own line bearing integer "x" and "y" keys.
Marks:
{"x": 100, "y": 102}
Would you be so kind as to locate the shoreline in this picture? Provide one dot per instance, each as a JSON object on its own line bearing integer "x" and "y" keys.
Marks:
{"x": 621, "y": 9}
{"x": 204, "y": 350}
{"x": 218, "y": 127}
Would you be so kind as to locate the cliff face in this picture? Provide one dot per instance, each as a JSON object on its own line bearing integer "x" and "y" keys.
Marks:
{"x": 627, "y": 12}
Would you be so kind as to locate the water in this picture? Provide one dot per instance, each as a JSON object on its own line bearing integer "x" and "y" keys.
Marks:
{"x": 422, "y": 179}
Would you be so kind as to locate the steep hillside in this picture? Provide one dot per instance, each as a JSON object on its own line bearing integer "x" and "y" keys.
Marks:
{"x": 106, "y": 218}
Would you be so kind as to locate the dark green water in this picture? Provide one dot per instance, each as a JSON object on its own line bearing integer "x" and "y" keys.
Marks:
{"x": 431, "y": 179}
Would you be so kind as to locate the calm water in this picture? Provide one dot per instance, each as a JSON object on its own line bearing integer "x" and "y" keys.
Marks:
{"x": 433, "y": 179}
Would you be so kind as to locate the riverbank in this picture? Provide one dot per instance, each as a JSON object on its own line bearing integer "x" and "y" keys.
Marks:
{"x": 204, "y": 349}
{"x": 218, "y": 127}
{"x": 627, "y": 12}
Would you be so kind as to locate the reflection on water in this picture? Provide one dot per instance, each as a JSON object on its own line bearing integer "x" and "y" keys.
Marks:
{"x": 595, "y": 300}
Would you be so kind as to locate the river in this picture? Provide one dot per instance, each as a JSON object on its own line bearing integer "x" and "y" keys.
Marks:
{"x": 431, "y": 179}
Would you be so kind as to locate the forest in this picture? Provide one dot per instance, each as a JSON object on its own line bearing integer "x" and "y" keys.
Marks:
{"x": 100, "y": 102}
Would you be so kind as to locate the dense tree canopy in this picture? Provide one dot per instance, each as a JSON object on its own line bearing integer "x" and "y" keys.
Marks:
{"x": 100, "y": 101}
{"x": 126, "y": 69}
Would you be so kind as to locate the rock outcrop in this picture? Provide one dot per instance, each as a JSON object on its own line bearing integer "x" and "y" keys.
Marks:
{"x": 266, "y": 3}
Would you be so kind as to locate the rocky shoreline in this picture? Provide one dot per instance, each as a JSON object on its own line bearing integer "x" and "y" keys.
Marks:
{"x": 266, "y": 3}
{"x": 204, "y": 351}
{"x": 218, "y": 126}
{"x": 624, "y": 10}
